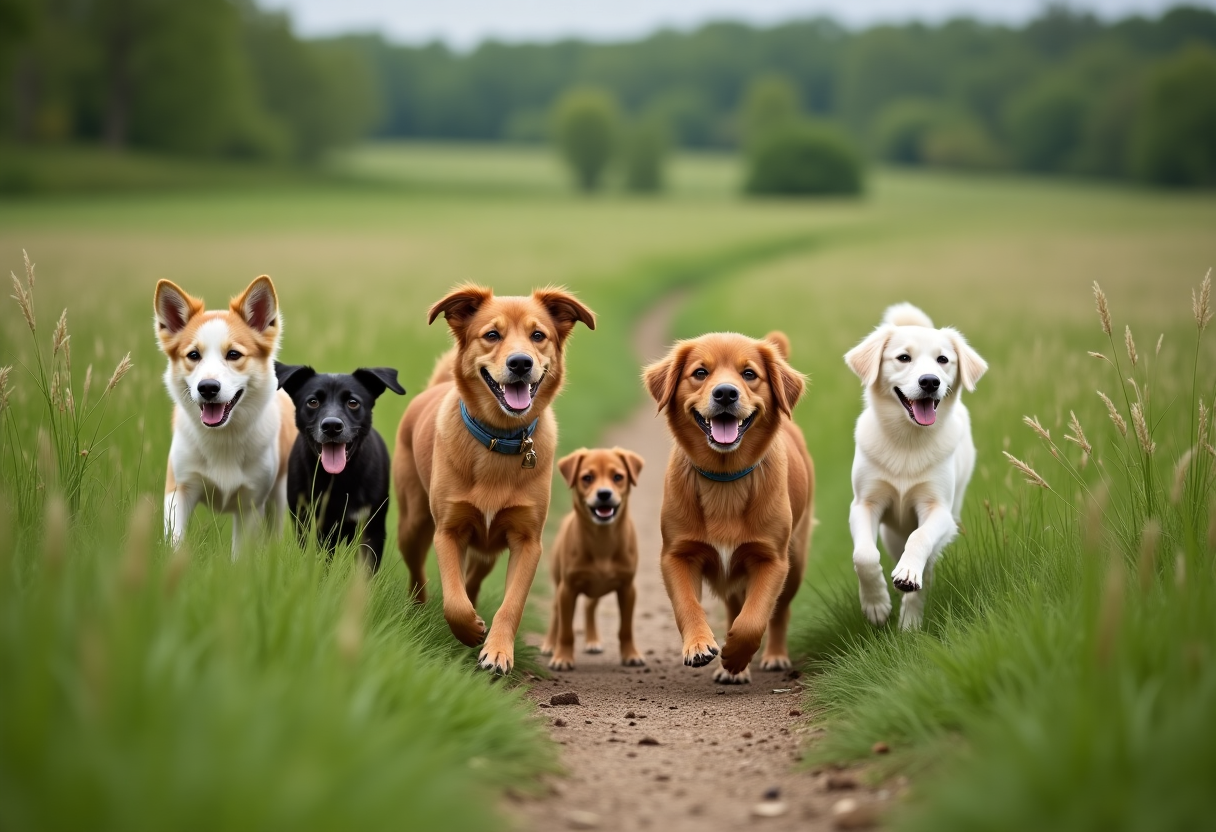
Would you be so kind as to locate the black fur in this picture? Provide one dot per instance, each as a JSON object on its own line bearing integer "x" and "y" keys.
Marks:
{"x": 362, "y": 485}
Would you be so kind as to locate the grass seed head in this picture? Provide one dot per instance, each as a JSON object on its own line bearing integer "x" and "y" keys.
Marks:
{"x": 1180, "y": 476}
{"x": 4, "y": 391}
{"x": 60, "y": 335}
{"x": 1093, "y": 354}
{"x": 1201, "y": 302}
{"x": 1131, "y": 344}
{"x": 25, "y": 302}
{"x": 1114, "y": 414}
{"x": 1078, "y": 435}
{"x": 1160, "y": 341}
{"x": 1103, "y": 308}
{"x": 121, "y": 370}
{"x": 1033, "y": 423}
{"x": 88, "y": 383}
{"x": 1146, "y": 441}
{"x": 1031, "y": 475}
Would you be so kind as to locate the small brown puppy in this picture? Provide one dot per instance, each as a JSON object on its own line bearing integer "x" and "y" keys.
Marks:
{"x": 737, "y": 498}
{"x": 596, "y": 552}
{"x": 474, "y": 457}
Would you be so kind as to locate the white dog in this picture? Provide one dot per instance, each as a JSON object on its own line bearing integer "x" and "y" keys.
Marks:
{"x": 232, "y": 427}
{"x": 914, "y": 454}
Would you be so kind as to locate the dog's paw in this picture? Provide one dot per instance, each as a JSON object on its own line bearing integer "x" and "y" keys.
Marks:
{"x": 498, "y": 662}
{"x": 546, "y": 649}
{"x": 738, "y": 651}
{"x": 910, "y": 618}
{"x": 561, "y": 663}
{"x": 724, "y": 677}
{"x": 468, "y": 627}
{"x": 876, "y": 607}
{"x": 700, "y": 653}
{"x": 593, "y": 647}
{"x": 775, "y": 663}
{"x": 633, "y": 659}
{"x": 905, "y": 578}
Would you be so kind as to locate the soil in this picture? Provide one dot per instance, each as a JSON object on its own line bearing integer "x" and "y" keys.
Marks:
{"x": 663, "y": 747}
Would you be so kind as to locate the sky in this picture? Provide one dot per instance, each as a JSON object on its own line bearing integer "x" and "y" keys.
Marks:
{"x": 465, "y": 23}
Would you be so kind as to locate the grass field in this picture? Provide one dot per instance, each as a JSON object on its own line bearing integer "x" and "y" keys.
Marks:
{"x": 1003, "y": 692}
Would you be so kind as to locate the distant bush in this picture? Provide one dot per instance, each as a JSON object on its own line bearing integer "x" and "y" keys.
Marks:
{"x": 1175, "y": 142}
{"x": 643, "y": 151}
{"x": 771, "y": 104}
{"x": 585, "y": 124}
{"x": 804, "y": 159}
{"x": 900, "y": 129}
{"x": 1043, "y": 124}
{"x": 961, "y": 143}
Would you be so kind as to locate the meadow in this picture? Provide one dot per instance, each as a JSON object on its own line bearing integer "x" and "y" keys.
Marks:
{"x": 185, "y": 690}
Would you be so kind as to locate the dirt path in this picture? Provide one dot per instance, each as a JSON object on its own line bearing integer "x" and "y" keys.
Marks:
{"x": 719, "y": 749}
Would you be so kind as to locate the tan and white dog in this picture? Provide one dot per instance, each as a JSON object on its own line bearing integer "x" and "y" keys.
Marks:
{"x": 232, "y": 427}
{"x": 914, "y": 455}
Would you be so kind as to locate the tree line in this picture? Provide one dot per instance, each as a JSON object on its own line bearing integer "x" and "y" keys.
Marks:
{"x": 1066, "y": 92}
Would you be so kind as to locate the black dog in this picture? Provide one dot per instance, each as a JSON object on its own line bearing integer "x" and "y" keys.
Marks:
{"x": 337, "y": 474}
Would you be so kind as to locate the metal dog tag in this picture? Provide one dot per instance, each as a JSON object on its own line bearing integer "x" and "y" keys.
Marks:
{"x": 525, "y": 448}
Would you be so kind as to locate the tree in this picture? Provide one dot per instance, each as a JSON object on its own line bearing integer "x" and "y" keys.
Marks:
{"x": 901, "y": 127}
{"x": 1175, "y": 141}
{"x": 1044, "y": 123}
{"x": 585, "y": 127}
{"x": 643, "y": 149}
{"x": 771, "y": 104}
{"x": 804, "y": 160}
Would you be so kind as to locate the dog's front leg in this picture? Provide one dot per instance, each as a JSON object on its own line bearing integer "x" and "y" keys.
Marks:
{"x": 563, "y": 611}
{"x": 937, "y": 528}
{"x": 875, "y": 598}
{"x": 179, "y": 505}
{"x": 458, "y": 610}
{"x": 682, "y": 575}
{"x": 767, "y": 569}
{"x": 626, "y": 597}
{"x": 498, "y": 654}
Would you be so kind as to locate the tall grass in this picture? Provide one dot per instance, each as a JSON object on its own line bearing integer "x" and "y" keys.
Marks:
{"x": 1068, "y": 672}
{"x": 147, "y": 688}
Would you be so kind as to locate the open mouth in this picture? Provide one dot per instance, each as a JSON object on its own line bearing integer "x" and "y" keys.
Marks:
{"x": 215, "y": 414}
{"x": 922, "y": 411}
{"x": 515, "y": 397}
{"x": 604, "y": 513}
{"x": 724, "y": 431}
{"x": 334, "y": 456}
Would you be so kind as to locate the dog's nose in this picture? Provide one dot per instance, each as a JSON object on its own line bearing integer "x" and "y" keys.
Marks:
{"x": 604, "y": 494}
{"x": 929, "y": 383}
{"x": 520, "y": 364}
{"x": 208, "y": 388}
{"x": 332, "y": 426}
{"x": 726, "y": 394}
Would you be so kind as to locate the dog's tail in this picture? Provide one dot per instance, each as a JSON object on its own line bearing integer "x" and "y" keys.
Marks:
{"x": 445, "y": 369}
{"x": 780, "y": 342}
{"x": 905, "y": 314}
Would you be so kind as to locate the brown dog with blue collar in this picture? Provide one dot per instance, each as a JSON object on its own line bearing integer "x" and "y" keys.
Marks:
{"x": 737, "y": 497}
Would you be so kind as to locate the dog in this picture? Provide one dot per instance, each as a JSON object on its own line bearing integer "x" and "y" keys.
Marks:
{"x": 337, "y": 475}
{"x": 232, "y": 426}
{"x": 596, "y": 552}
{"x": 474, "y": 455}
{"x": 737, "y": 499}
{"x": 914, "y": 455}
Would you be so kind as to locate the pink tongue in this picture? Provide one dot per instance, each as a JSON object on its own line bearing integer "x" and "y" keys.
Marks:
{"x": 518, "y": 395}
{"x": 333, "y": 457}
{"x": 725, "y": 429}
{"x": 923, "y": 412}
{"x": 213, "y": 414}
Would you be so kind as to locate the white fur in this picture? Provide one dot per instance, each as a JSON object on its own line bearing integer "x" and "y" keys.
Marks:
{"x": 908, "y": 479}
{"x": 233, "y": 468}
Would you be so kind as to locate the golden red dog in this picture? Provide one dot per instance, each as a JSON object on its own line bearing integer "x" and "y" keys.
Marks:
{"x": 737, "y": 496}
{"x": 474, "y": 456}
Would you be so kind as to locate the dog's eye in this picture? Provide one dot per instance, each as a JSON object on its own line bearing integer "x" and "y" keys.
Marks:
{"x": 492, "y": 335}
{"x": 700, "y": 374}
{"x": 750, "y": 375}
{"x": 587, "y": 478}
{"x": 538, "y": 336}
{"x": 618, "y": 477}
{"x": 233, "y": 355}
{"x": 313, "y": 403}
{"x": 941, "y": 359}
{"x": 353, "y": 404}
{"x": 903, "y": 359}
{"x": 193, "y": 355}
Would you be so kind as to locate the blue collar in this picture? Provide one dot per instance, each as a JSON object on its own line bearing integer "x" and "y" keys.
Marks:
{"x": 731, "y": 477}
{"x": 501, "y": 442}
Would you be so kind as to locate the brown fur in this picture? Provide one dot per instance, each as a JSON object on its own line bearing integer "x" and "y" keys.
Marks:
{"x": 592, "y": 558}
{"x": 473, "y": 502}
{"x": 762, "y": 521}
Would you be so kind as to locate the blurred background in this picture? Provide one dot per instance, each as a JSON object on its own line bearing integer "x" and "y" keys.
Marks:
{"x": 772, "y": 164}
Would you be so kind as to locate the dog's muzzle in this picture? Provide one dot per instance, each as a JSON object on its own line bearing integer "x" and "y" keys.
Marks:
{"x": 922, "y": 410}
{"x": 603, "y": 512}
{"x": 516, "y": 392}
{"x": 724, "y": 428}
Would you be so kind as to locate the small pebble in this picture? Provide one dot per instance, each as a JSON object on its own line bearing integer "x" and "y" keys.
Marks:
{"x": 769, "y": 809}
{"x": 841, "y": 782}
{"x": 795, "y": 712}
{"x": 582, "y": 820}
{"x": 881, "y": 748}
{"x": 849, "y": 814}
{"x": 559, "y": 723}
{"x": 630, "y": 715}
{"x": 747, "y": 735}
{"x": 569, "y": 698}
{"x": 772, "y": 793}
{"x": 648, "y": 741}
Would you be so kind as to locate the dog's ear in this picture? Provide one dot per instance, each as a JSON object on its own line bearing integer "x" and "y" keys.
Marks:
{"x": 865, "y": 359}
{"x": 970, "y": 366}
{"x": 569, "y": 465}
{"x": 565, "y": 309}
{"x": 787, "y": 384}
{"x": 459, "y": 306}
{"x": 174, "y": 308}
{"x": 258, "y": 305}
{"x": 663, "y": 376}
{"x": 379, "y": 379}
{"x": 632, "y": 462}
{"x": 780, "y": 342}
{"x": 292, "y": 376}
